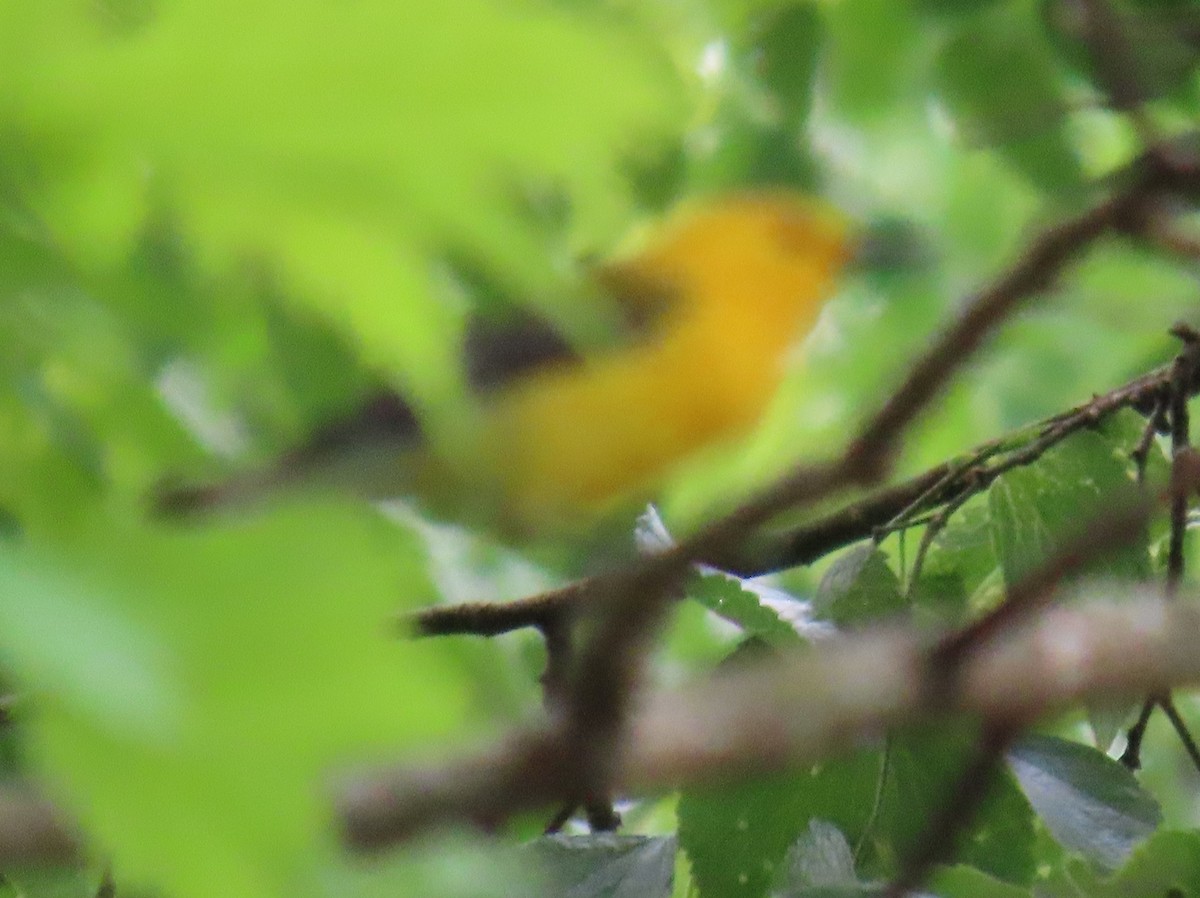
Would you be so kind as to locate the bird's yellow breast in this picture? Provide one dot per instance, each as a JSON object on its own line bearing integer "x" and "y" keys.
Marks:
{"x": 748, "y": 277}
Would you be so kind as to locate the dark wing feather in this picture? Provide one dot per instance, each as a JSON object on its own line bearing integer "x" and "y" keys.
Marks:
{"x": 496, "y": 354}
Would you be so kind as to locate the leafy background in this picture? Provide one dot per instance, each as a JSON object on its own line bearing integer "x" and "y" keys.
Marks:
{"x": 220, "y": 222}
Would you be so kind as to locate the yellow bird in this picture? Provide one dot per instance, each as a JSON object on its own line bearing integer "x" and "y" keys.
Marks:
{"x": 712, "y": 304}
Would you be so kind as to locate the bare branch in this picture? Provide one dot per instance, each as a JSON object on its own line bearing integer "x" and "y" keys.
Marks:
{"x": 796, "y": 710}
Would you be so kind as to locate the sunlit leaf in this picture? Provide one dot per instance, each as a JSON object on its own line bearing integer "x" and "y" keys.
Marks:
{"x": 859, "y": 587}
{"x": 196, "y": 687}
{"x": 340, "y": 145}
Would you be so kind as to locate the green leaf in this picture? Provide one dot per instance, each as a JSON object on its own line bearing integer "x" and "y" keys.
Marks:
{"x": 1125, "y": 429}
{"x": 1048, "y": 160}
{"x": 971, "y": 70}
{"x": 25, "y": 262}
{"x": 962, "y": 881}
{"x": 1168, "y": 863}
{"x": 997, "y": 79}
{"x": 53, "y": 883}
{"x": 873, "y": 60}
{"x": 785, "y": 47}
{"x": 343, "y": 146}
{"x": 195, "y": 687}
{"x": 78, "y": 406}
{"x": 742, "y": 602}
{"x": 1036, "y": 508}
{"x": 858, "y": 587}
{"x": 605, "y": 865}
{"x": 737, "y": 836}
{"x": 1091, "y": 803}
{"x": 745, "y": 152}
{"x": 951, "y": 8}
{"x": 455, "y": 866}
{"x": 960, "y": 563}
{"x": 926, "y": 765}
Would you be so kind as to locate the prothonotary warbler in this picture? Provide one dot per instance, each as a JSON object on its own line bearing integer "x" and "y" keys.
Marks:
{"x": 714, "y": 300}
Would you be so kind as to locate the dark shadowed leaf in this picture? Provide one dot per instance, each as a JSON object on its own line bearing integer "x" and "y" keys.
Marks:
{"x": 737, "y": 836}
{"x": 997, "y": 78}
{"x": 859, "y": 587}
{"x": 1034, "y": 509}
{"x": 926, "y": 767}
{"x": 784, "y": 54}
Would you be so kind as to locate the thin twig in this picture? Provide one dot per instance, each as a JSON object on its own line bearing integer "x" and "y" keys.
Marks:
{"x": 1182, "y": 465}
{"x": 946, "y": 489}
{"x": 935, "y": 526}
{"x": 858, "y": 520}
{"x": 751, "y": 731}
{"x": 1131, "y": 757}
{"x": 557, "y": 636}
{"x": 495, "y": 618}
{"x": 1183, "y": 245}
{"x": 1037, "y": 269}
{"x": 1141, "y": 452}
{"x": 1184, "y": 478}
{"x": 1181, "y": 729}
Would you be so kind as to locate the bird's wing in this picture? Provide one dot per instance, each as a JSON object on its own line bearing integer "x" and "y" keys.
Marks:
{"x": 497, "y": 352}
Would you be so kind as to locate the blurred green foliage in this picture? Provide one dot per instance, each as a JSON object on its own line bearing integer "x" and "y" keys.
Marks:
{"x": 222, "y": 222}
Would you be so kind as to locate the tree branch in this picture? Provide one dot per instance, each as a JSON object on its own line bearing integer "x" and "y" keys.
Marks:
{"x": 809, "y": 542}
{"x": 798, "y": 709}
{"x": 594, "y": 745}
